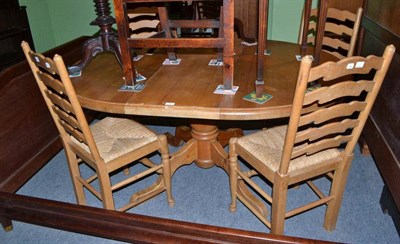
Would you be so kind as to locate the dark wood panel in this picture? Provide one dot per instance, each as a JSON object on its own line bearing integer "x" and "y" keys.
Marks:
{"x": 28, "y": 137}
{"x": 382, "y": 131}
{"x": 350, "y": 5}
{"x": 385, "y": 12}
{"x": 14, "y": 27}
{"x": 246, "y": 17}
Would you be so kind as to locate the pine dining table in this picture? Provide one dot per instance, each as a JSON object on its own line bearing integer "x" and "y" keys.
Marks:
{"x": 187, "y": 91}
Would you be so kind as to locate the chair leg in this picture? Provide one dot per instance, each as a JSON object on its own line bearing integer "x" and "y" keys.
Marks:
{"x": 233, "y": 176}
{"x": 166, "y": 169}
{"x": 220, "y": 51}
{"x": 279, "y": 196}
{"x": 75, "y": 172}
{"x": 105, "y": 187}
{"x": 337, "y": 190}
{"x": 6, "y": 223}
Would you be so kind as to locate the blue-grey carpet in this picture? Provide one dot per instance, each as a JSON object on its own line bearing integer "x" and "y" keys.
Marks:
{"x": 202, "y": 196}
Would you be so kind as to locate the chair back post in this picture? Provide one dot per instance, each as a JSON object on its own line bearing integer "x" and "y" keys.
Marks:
{"x": 297, "y": 107}
{"x": 371, "y": 97}
{"x": 356, "y": 28}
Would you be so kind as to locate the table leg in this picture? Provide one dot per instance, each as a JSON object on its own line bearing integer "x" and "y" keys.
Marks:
{"x": 205, "y": 151}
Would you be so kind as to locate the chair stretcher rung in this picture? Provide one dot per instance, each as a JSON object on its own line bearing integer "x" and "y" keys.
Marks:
{"x": 308, "y": 206}
{"x": 89, "y": 187}
{"x": 135, "y": 177}
{"x": 255, "y": 187}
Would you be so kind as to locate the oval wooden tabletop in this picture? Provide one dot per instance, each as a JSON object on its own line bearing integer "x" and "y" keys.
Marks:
{"x": 187, "y": 90}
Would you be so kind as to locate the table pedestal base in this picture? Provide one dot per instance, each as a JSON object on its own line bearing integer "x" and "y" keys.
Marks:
{"x": 206, "y": 152}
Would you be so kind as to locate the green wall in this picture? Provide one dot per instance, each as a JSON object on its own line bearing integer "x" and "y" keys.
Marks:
{"x": 284, "y": 19}
{"x": 40, "y": 23}
{"x": 54, "y": 22}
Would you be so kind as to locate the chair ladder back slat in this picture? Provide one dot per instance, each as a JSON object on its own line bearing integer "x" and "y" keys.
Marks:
{"x": 318, "y": 146}
{"x": 75, "y": 132}
{"x": 316, "y": 133}
{"x": 142, "y": 31}
{"x": 52, "y": 82}
{"x": 335, "y": 44}
{"x": 353, "y": 65}
{"x": 342, "y": 89}
{"x": 338, "y": 29}
{"x": 60, "y": 102}
{"x": 68, "y": 118}
{"x": 335, "y": 54}
{"x": 43, "y": 62}
{"x": 341, "y": 15}
{"x": 325, "y": 114}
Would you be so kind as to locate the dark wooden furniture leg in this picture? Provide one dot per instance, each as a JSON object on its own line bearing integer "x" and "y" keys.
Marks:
{"x": 306, "y": 23}
{"x": 107, "y": 40}
{"x": 6, "y": 223}
{"x": 322, "y": 12}
{"x": 164, "y": 21}
{"x": 262, "y": 32}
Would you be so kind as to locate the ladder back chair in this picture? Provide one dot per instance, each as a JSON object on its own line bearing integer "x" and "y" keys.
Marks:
{"x": 166, "y": 39}
{"x": 318, "y": 141}
{"x": 340, "y": 32}
{"x": 108, "y": 146}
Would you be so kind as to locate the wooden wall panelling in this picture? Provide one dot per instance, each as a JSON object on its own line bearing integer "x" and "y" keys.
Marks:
{"x": 246, "y": 18}
{"x": 14, "y": 27}
{"x": 385, "y": 12}
{"x": 382, "y": 130}
{"x": 350, "y": 5}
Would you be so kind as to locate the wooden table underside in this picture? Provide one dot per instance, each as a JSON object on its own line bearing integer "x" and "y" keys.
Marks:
{"x": 186, "y": 91}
